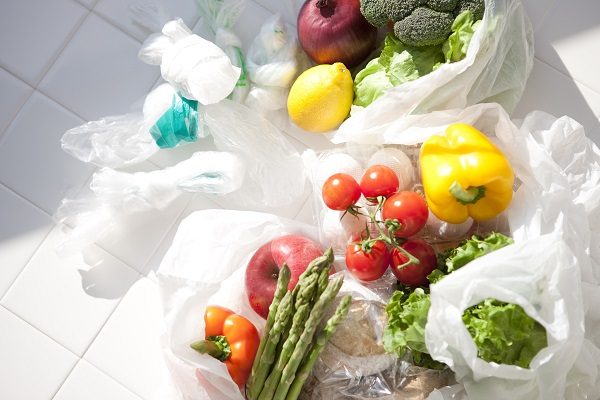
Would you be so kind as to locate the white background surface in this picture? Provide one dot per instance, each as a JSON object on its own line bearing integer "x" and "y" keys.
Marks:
{"x": 86, "y": 327}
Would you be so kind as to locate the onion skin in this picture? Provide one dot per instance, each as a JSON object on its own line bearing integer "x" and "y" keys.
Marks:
{"x": 333, "y": 31}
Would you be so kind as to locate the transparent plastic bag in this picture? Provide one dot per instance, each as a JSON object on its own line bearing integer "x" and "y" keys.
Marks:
{"x": 495, "y": 69}
{"x": 196, "y": 68}
{"x": 274, "y": 60}
{"x": 354, "y": 364}
{"x": 116, "y": 193}
{"x": 167, "y": 120}
{"x": 221, "y": 16}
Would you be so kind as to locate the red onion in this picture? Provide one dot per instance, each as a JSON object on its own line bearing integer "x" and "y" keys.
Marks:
{"x": 335, "y": 31}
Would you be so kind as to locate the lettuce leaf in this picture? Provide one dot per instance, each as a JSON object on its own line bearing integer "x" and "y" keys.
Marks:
{"x": 405, "y": 330}
{"x": 399, "y": 63}
{"x": 463, "y": 28}
{"x": 473, "y": 248}
{"x": 504, "y": 333}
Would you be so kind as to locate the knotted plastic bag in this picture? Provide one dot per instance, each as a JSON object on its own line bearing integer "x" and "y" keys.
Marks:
{"x": 167, "y": 120}
{"x": 197, "y": 68}
{"x": 116, "y": 193}
{"x": 274, "y": 60}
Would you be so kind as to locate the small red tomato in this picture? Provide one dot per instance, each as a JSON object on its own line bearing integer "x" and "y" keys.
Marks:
{"x": 414, "y": 274}
{"x": 379, "y": 180}
{"x": 410, "y": 209}
{"x": 340, "y": 191}
{"x": 367, "y": 265}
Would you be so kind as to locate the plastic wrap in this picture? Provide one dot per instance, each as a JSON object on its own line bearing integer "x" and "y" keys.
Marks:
{"x": 197, "y": 68}
{"x": 495, "y": 69}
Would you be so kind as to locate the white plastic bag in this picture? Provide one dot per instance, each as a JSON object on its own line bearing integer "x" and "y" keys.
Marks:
{"x": 552, "y": 270}
{"x": 274, "y": 60}
{"x": 115, "y": 193}
{"x": 495, "y": 69}
{"x": 206, "y": 265}
{"x": 221, "y": 16}
{"x": 195, "y": 67}
{"x": 166, "y": 121}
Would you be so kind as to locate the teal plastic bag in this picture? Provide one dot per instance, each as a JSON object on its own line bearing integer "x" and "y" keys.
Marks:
{"x": 178, "y": 123}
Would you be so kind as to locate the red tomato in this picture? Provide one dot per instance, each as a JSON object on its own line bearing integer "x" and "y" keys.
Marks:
{"x": 379, "y": 180}
{"x": 414, "y": 274}
{"x": 340, "y": 191}
{"x": 410, "y": 209}
{"x": 367, "y": 266}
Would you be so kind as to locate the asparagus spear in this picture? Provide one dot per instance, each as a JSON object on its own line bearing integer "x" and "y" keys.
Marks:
{"x": 322, "y": 282}
{"x": 316, "y": 265}
{"x": 282, "y": 283}
{"x": 284, "y": 312}
{"x": 302, "y": 307}
{"x": 289, "y": 372}
{"x": 324, "y": 336}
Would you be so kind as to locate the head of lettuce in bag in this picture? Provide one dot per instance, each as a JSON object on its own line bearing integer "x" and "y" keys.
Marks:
{"x": 502, "y": 332}
{"x": 426, "y": 35}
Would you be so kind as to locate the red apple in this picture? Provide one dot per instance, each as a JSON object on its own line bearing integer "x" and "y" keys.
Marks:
{"x": 263, "y": 268}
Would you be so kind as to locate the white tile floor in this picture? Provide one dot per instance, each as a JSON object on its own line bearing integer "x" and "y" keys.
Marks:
{"x": 86, "y": 327}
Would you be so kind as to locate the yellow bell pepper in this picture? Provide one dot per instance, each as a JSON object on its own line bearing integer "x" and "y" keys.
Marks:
{"x": 464, "y": 174}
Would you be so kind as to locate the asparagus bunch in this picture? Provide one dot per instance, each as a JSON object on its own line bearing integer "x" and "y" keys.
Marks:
{"x": 288, "y": 349}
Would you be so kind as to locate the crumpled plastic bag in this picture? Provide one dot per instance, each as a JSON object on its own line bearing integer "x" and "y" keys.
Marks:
{"x": 167, "y": 120}
{"x": 221, "y": 16}
{"x": 197, "y": 68}
{"x": 273, "y": 61}
{"x": 206, "y": 265}
{"x": 116, "y": 193}
{"x": 495, "y": 69}
{"x": 552, "y": 270}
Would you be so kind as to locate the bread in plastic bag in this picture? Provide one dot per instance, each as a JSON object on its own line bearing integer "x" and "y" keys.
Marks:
{"x": 495, "y": 69}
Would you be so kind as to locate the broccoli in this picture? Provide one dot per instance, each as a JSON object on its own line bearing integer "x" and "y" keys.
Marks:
{"x": 419, "y": 22}
{"x": 424, "y": 27}
{"x": 442, "y": 5}
{"x": 477, "y": 7}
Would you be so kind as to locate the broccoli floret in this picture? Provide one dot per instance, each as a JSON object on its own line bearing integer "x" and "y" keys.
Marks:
{"x": 477, "y": 7}
{"x": 374, "y": 11}
{"x": 442, "y": 5}
{"x": 424, "y": 27}
{"x": 397, "y": 10}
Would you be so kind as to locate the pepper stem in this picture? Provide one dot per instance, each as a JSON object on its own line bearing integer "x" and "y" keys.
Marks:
{"x": 471, "y": 195}
{"x": 214, "y": 346}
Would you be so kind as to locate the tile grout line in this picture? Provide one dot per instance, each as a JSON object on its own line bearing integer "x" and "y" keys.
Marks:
{"x": 568, "y": 77}
{"x": 65, "y": 43}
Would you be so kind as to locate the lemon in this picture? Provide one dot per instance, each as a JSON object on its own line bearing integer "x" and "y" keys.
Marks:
{"x": 321, "y": 97}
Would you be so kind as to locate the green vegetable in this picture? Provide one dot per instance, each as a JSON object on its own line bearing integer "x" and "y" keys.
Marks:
{"x": 424, "y": 27}
{"x": 419, "y": 22}
{"x": 473, "y": 248}
{"x": 399, "y": 63}
{"x": 320, "y": 342}
{"x": 267, "y": 358}
{"x": 302, "y": 306}
{"x": 280, "y": 291}
{"x": 463, "y": 27}
{"x": 302, "y": 347}
{"x": 405, "y": 329}
{"x": 504, "y": 333}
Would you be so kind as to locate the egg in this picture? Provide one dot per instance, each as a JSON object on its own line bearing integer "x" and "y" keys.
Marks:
{"x": 398, "y": 161}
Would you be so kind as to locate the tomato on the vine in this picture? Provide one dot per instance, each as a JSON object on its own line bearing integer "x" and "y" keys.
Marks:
{"x": 379, "y": 180}
{"x": 367, "y": 265}
{"x": 410, "y": 209}
{"x": 413, "y": 274}
{"x": 340, "y": 191}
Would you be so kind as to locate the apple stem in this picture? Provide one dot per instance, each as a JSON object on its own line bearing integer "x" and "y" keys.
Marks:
{"x": 321, "y": 3}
